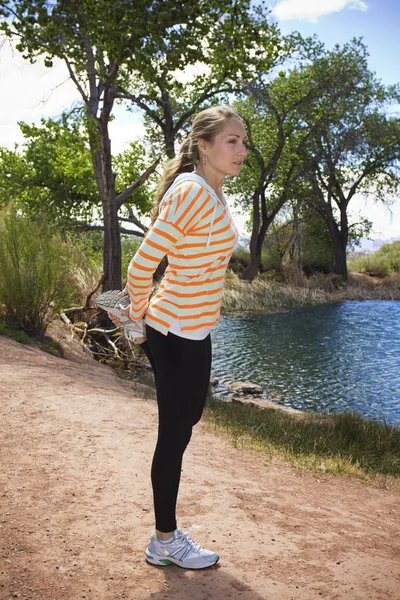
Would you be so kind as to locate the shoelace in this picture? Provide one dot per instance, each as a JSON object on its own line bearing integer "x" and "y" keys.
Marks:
{"x": 185, "y": 534}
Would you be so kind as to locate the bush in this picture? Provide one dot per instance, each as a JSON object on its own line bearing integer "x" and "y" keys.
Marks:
{"x": 384, "y": 262}
{"x": 35, "y": 276}
{"x": 129, "y": 247}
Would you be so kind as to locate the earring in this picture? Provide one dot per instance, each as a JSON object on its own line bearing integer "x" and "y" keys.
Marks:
{"x": 205, "y": 159}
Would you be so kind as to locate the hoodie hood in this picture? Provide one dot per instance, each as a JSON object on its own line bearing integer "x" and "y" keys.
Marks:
{"x": 201, "y": 181}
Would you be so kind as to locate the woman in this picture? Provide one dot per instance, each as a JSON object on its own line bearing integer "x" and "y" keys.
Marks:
{"x": 191, "y": 223}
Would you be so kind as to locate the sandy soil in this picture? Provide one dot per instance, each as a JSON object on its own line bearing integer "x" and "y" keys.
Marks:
{"x": 76, "y": 504}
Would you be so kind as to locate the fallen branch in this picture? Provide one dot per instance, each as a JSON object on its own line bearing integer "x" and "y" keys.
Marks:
{"x": 86, "y": 306}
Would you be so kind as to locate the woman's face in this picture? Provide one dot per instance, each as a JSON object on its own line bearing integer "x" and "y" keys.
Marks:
{"x": 226, "y": 154}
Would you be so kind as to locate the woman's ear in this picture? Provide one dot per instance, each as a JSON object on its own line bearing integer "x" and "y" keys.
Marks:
{"x": 201, "y": 144}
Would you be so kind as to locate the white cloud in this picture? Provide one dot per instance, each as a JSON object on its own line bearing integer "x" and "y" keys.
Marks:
{"x": 311, "y": 10}
{"x": 191, "y": 72}
{"x": 32, "y": 91}
{"x": 385, "y": 218}
{"x": 124, "y": 129}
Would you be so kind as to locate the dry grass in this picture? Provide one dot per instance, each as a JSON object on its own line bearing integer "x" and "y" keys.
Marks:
{"x": 297, "y": 290}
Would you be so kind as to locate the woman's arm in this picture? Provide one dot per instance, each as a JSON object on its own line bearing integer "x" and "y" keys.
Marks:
{"x": 180, "y": 211}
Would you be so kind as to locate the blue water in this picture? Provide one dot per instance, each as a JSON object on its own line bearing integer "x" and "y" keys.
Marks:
{"x": 329, "y": 359}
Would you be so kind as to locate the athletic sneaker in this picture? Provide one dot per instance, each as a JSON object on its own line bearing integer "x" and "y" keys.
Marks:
{"x": 112, "y": 302}
{"x": 181, "y": 551}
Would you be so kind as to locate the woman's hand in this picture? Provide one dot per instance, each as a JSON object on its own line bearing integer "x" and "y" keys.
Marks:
{"x": 117, "y": 323}
{"x": 114, "y": 319}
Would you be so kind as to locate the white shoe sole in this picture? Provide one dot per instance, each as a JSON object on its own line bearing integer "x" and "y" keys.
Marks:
{"x": 161, "y": 561}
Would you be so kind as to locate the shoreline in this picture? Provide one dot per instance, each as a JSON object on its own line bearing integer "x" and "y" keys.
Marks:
{"x": 269, "y": 296}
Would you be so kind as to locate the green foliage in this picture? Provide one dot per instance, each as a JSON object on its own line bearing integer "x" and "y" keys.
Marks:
{"x": 17, "y": 334}
{"x": 317, "y": 251}
{"x": 129, "y": 166}
{"x": 136, "y": 52}
{"x": 318, "y": 134}
{"x": 271, "y": 260}
{"x": 53, "y": 175}
{"x": 35, "y": 279}
{"x": 129, "y": 248}
{"x": 383, "y": 263}
{"x": 238, "y": 41}
{"x": 89, "y": 244}
{"x": 355, "y": 143}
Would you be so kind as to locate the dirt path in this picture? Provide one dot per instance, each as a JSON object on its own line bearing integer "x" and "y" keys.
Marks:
{"x": 76, "y": 504}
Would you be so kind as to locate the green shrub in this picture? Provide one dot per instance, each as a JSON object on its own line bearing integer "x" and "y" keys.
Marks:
{"x": 17, "y": 335}
{"x": 271, "y": 260}
{"x": 384, "y": 262}
{"x": 35, "y": 274}
{"x": 129, "y": 246}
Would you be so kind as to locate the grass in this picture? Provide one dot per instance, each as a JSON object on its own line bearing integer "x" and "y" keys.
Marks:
{"x": 264, "y": 296}
{"x": 343, "y": 444}
{"x": 298, "y": 290}
{"x": 47, "y": 344}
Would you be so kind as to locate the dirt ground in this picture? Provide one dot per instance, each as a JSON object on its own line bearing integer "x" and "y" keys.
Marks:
{"x": 76, "y": 503}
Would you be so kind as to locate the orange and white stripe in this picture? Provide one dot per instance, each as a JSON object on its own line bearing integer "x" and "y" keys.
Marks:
{"x": 197, "y": 233}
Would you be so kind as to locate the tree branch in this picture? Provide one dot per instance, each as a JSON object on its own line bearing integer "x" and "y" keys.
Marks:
{"x": 76, "y": 82}
{"x": 122, "y": 95}
{"x": 87, "y": 227}
{"x": 134, "y": 220}
{"x": 121, "y": 198}
{"x": 199, "y": 101}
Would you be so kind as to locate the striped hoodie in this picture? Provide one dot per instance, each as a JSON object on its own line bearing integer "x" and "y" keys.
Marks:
{"x": 196, "y": 231}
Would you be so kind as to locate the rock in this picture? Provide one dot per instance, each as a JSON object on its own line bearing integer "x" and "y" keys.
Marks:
{"x": 241, "y": 387}
{"x": 214, "y": 381}
{"x": 264, "y": 403}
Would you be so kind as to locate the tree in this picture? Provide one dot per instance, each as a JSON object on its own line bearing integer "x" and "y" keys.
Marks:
{"x": 277, "y": 134}
{"x": 355, "y": 146}
{"x": 107, "y": 46}
{"x": 233, "y": 50}
{"x": 51, "y": 176}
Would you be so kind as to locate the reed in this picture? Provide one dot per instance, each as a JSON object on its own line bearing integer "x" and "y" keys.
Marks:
{"x": 298, "y": 290}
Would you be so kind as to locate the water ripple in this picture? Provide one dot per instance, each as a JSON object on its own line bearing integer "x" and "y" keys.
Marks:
{"x": 332, "y": 358}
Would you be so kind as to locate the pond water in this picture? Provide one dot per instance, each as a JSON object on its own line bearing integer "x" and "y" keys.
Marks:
{"x": 328, "y": 358}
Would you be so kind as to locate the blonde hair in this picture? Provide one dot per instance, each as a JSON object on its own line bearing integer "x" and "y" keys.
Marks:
{"x": 206, "y": 125}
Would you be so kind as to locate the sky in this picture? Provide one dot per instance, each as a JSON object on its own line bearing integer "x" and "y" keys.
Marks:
{"x": 32, "y": 91}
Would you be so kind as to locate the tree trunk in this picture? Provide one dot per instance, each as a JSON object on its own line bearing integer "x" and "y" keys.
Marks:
{"x": 251, "y": 270}
{"x": 112, "y": 253}
{"x": 259, "y": 231}
{"x": 169, "y": 139}
{"x": 340, "y": 258}
{"x": 339, "y": 238}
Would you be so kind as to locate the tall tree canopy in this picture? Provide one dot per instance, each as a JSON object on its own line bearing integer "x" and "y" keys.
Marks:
{"x": 51, "y": 175}
{"x": 129, "y": 50}
{"x": 276, "y": 134}
{"x": 355, "y": 146}
{"x": 319, "y": 133}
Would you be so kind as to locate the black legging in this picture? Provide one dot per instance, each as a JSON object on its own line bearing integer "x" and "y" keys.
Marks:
{"x": 182, "y": 370}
